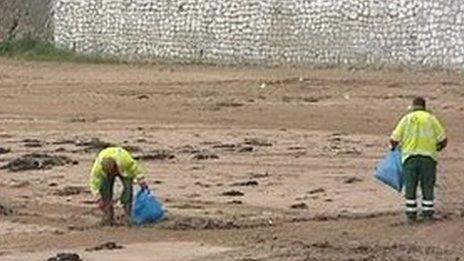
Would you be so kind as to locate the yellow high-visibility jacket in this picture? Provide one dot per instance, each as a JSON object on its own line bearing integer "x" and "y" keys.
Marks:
{"x": 419, "y": 133}
{"x": 128, "y": 166}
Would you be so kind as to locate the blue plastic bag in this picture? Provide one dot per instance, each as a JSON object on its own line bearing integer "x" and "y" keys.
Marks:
{"x": 146, "y": 209}
{"x": 390, "y": 170}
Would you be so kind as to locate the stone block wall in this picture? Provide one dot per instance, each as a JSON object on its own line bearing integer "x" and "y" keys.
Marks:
{"x": 26, "y": 18}
{"x": 377, "y": 33}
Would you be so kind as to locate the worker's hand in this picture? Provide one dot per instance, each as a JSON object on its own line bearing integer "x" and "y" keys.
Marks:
{"x": 442, "y": 145}
{"x": 393, "y": 145}
{"x": 143, "y": 184}
{"x": 101, "y": 204}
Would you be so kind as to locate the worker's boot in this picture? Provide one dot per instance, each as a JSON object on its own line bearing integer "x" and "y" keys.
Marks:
{"x": 410, "y": 221}
{"x": 428, "y": 216}
{"x": 428, "y": 211}
{"x": 108, "y": 215}
{"x": 411, "y": 218}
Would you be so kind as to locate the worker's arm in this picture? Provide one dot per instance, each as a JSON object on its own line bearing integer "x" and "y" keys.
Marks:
{"x": 397, "y": 135}
{"x": 439, "y": 131}
{"x": 96, "y": 177}
{"x": 441, "y": 145}
{"x": 133, "y": 169}
{"x": 136, "y": 172}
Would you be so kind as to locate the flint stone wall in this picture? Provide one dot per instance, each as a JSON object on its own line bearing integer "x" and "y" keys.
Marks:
{"x": 404, "y": 33}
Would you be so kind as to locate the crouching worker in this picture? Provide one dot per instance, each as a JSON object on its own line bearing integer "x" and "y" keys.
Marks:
{"x": 111, "y": 164}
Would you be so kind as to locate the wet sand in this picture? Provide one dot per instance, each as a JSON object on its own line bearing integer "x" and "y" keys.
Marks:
{"x": 251, "y": 164}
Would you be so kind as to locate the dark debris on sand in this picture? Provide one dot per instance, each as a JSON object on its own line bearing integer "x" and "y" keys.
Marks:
{"x": 4, "y": 150}
{"x": 93, "y": 145}
{"x": 235, "y": 202}
{"x": 70, "y": 191}
{"x": 201, "y": 223}
{"x": 245, "y": 183}
{"x": 65, "y": 257}
{"x": 257, "y": 142}
{"x": 105, "y": 246}
{"x": 299, "y": 206}
{"x": 233, "y": 193}
{"x": 132, "y": 148}
{"x": 4, "y": 211}
{"x": 156, "y": 155}
{"x": 33, "y": 144}
{"x": 316, "y": 191}
{"x": 37, "y": 161}
{"x": 205, "y": 155}
{"x": 352, "y": 180}
{"x": 259, "y": 175}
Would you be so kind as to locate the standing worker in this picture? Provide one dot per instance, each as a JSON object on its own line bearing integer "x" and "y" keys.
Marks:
{"x": 112, "y": 163}
{"x": 420, "y": 136}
